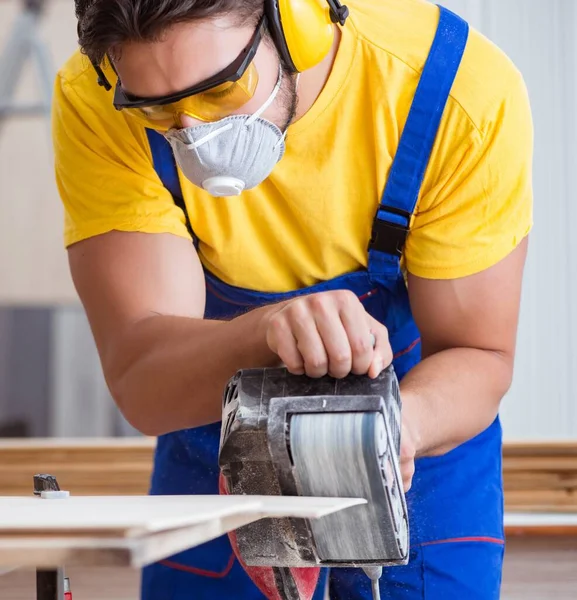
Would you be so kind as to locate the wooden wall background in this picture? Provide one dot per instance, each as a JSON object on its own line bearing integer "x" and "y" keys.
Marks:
{"x": 538, "y": 477}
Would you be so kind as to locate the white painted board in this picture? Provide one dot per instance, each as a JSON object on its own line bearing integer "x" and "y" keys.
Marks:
{"x": 136, "y": 515}
{"x": 134, "y": 530}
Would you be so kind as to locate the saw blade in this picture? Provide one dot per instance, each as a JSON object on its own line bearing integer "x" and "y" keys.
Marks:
{"x": 347, "y": 454}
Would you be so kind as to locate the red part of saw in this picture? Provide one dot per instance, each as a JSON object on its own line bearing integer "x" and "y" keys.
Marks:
{"x": 305, "y": 578}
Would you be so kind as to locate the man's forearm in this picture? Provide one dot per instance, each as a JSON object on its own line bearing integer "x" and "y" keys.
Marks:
{"x": 168, "y": 373}
{"x": 452, "y": 396}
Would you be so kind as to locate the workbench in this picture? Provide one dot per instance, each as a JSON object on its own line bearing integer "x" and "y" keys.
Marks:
{"x": 129, "y": 531}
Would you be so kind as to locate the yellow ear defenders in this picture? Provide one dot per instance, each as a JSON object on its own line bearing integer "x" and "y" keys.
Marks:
{"x": 303, "y": 30}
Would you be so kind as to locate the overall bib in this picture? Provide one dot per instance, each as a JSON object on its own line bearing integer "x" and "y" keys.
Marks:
{"x": 456, "y": 501}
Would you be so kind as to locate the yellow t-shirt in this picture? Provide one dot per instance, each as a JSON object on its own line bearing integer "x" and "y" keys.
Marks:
{"x": 311, "y": 219}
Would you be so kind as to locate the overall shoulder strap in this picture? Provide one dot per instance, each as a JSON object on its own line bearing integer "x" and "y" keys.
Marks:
{"x": 391, "y": 224}
{"x": 165, "y": 167}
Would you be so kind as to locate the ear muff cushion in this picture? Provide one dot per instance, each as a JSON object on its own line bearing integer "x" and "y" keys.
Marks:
{"x": 302, "y": 30}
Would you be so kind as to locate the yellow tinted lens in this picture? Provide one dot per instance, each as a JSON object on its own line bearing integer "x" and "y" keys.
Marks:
{"x": 226, "y": 98}
{"x": 211, "y": 105}
{"x": 220, "y": 101}
{"x": 155, "y": 117}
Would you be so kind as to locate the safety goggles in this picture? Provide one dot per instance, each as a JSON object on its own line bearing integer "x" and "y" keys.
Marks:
{"x": 209, "y": 100}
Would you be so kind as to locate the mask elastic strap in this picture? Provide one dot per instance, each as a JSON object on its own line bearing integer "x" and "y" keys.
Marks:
{"x": 269, "y": 101}
{"x": 209, "y": 136}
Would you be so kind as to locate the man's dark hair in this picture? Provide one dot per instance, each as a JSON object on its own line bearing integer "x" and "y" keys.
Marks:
{"x": 103, "y": 25}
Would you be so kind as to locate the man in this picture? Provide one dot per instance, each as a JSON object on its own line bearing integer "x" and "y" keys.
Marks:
{"x": 342, "y": 174}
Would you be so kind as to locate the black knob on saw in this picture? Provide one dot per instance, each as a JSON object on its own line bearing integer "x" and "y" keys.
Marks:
{"x": 45, "y": 483}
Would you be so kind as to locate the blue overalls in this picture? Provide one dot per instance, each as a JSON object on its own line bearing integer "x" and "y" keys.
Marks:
{"x": 456, "y": 501}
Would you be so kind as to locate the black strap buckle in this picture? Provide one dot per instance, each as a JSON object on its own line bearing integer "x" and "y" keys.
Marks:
{"x": 389, "y": 237}
{"x": 339, "y": 12}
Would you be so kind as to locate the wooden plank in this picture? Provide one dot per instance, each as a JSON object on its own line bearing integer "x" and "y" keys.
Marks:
{"x": 116, "y": 515}
{"x": 134, "y": 531}
{"x": 556, "y": 531}
{"x": 540, "y": 500}
{"x": 138, "y": 515}
{"x": 95, "y": 551}
{"x": 92, "y": 467}
{"x": 530, "y": 449}
{"x": 540, "y": 477}
{"x": 540, "y": 463}
{"x": 164, "y": 544}
{"x": 527, "y": 480}
{"x": 56, "y": 551}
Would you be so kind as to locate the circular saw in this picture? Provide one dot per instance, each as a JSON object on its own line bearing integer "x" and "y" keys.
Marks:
{"x": 292, "y": 435}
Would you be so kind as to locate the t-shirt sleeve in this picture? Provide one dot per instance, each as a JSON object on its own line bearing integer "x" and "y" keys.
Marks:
{"x": 480, "y": 206}
{"x": 104, "y": 170}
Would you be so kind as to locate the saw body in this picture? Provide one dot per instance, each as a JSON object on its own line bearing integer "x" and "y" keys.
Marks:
{"x": 292, "y": 435}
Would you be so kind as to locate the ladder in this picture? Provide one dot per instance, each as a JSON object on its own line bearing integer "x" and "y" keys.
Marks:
{"x": 25, "y": 43}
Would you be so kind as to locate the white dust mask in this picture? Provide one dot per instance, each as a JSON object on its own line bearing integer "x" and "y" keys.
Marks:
{"x": 230, "y": 155}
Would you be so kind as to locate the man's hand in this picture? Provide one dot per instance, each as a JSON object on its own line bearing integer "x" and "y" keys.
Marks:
{"x": 328, "y": 333}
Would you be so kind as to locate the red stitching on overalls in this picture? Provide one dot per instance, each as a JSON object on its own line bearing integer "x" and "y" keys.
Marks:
{"x": 201, "y": 572}
{"x": 408, "y": 349}
{"x": 490, "y": 540}
{"x": 368, "y": 294}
